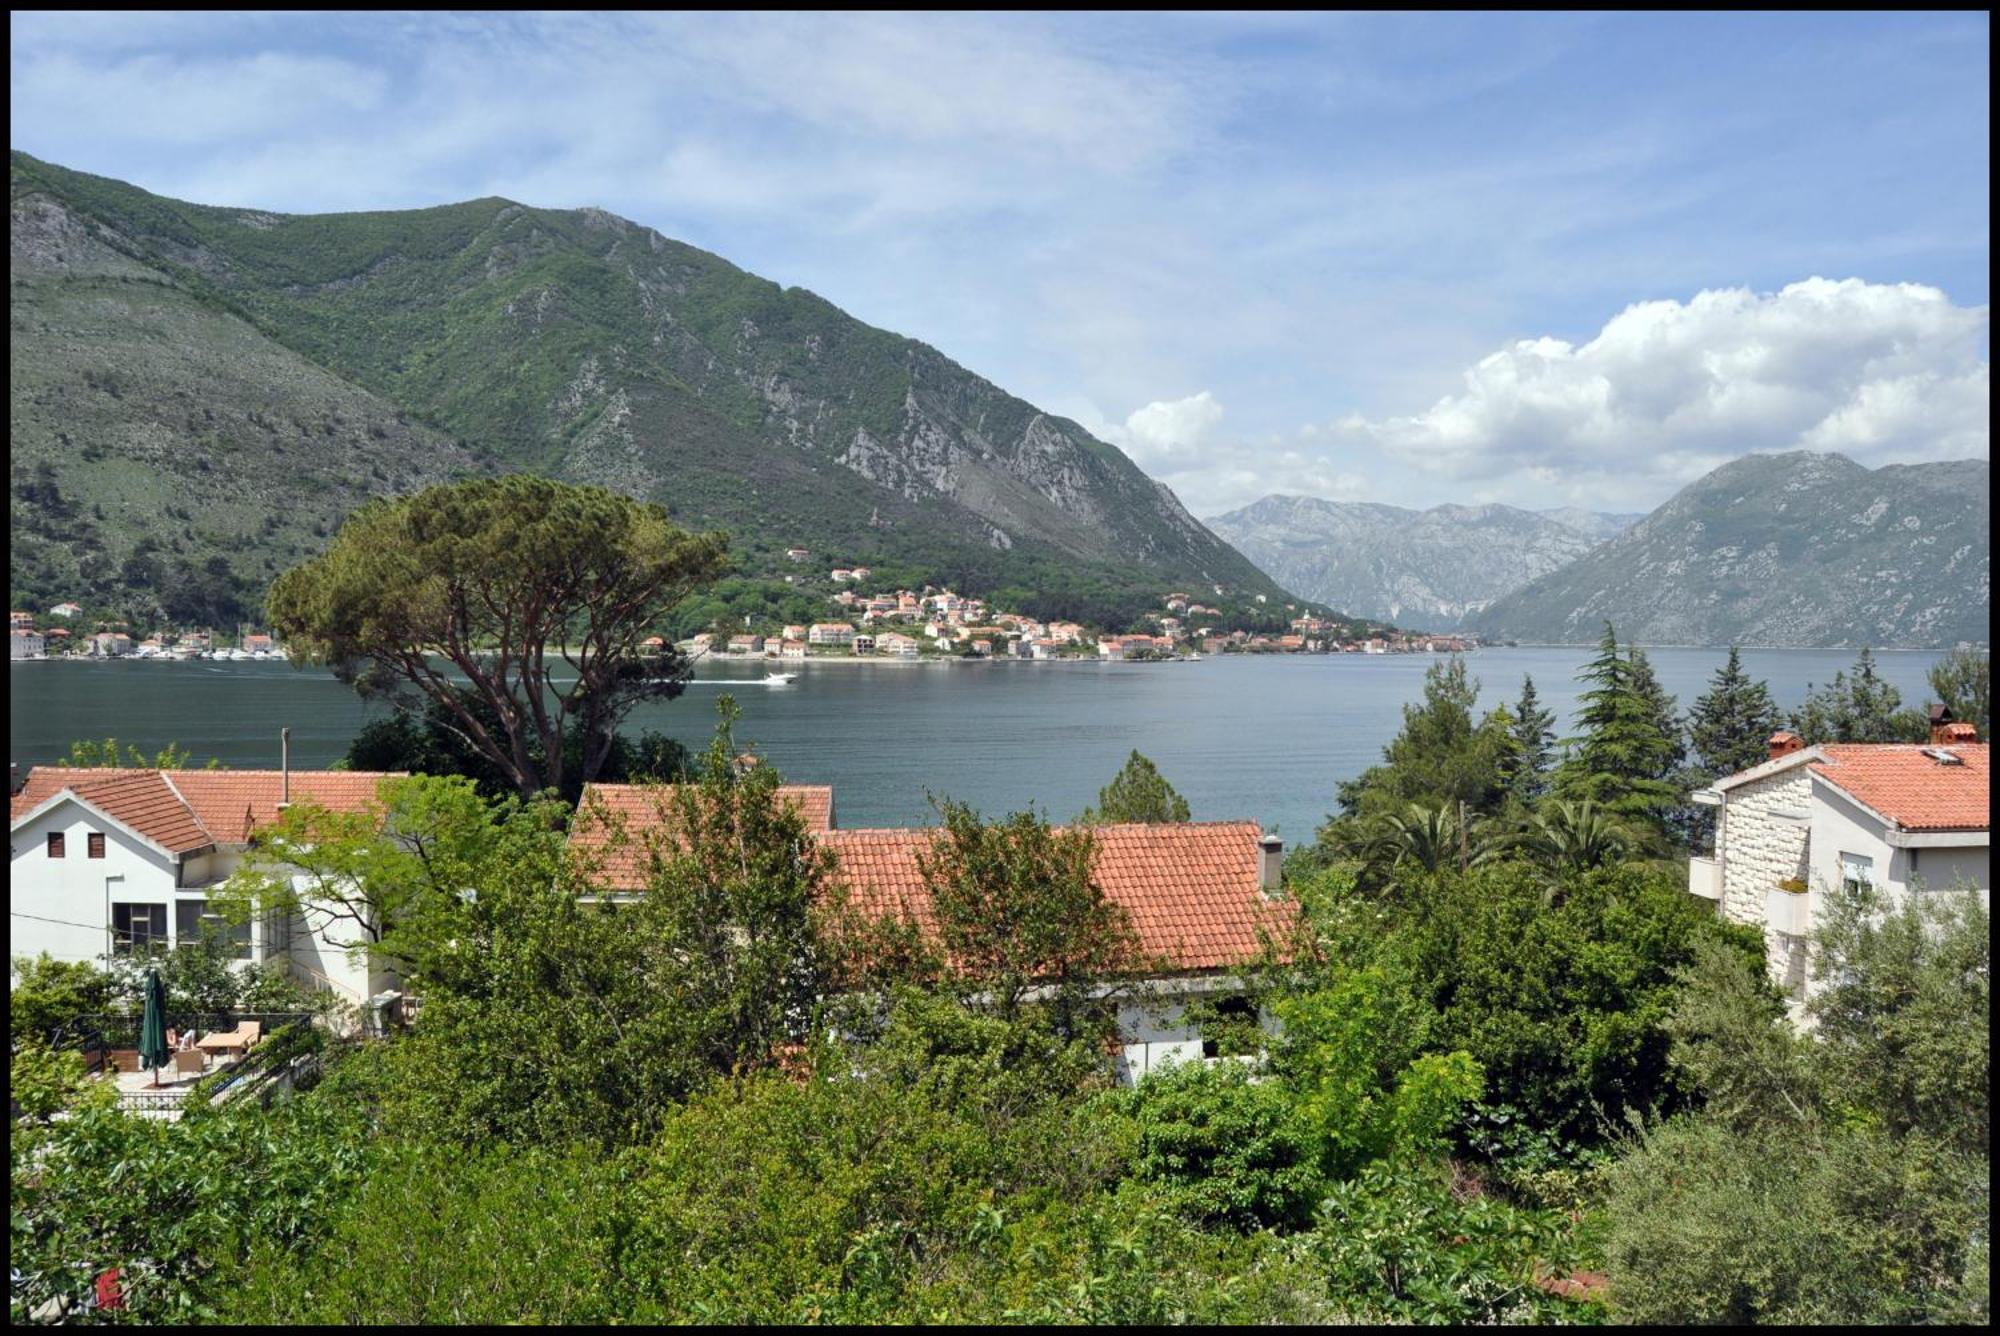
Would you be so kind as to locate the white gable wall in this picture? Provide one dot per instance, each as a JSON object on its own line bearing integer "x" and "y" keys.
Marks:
{"x": 62, "y": 905}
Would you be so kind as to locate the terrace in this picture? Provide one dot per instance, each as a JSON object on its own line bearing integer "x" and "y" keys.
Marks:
{"x": 223, "y": 1056}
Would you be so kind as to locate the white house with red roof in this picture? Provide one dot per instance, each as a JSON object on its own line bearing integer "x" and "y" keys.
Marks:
{"x": 1203, "y": 898}
{"x": 1901, "y": 816}
{"x": 104, "y": 860}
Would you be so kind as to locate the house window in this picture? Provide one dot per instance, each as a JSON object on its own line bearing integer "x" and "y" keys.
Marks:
{"x": 135, "y": 927}
{"x": 191, "y": 917}
{"x": 55, "y": 844}
{"x": 94, "y": 844}
{"x": 1856, "y": 871}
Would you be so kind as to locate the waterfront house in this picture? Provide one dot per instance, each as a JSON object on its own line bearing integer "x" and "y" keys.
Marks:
{"x": 17, "y": 621}
{"x": 897, "y": 644}
{"x": 111, "y": 644}
{"x": 830, "y": 633}
{"x": 746, "y": 644}
{"x": 26, "y": 643}
{"x": 258, "y": 643}
{"x": 1900, "y": 816}
{"x": 107, "y": 860}
{"x": 1203, "y": 898}
{"x": 795, "y": 633}
{"x": 864, "y": 644}
{"x": 792, "y": 648}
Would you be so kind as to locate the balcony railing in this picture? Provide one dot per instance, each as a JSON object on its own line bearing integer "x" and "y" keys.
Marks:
{"x": 1705, "y": 878}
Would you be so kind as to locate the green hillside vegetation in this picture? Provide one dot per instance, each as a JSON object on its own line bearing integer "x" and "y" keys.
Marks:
{"x": 384, "y": 350}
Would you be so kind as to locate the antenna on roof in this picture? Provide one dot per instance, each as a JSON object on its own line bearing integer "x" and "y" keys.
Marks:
{"x": 284, "y": 768}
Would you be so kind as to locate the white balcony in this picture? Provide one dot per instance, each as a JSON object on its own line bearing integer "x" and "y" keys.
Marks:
{"x": 1786, "y": 911}
{"x": 1705, "y": 878}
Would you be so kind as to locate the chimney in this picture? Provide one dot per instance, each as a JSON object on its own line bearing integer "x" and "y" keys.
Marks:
{"x": 284, "y": 768}
{"x": 1784, "y": 742}
{"x": 1955, "y": 734}
{"x": 1941, "y": 719}
{"x": 1270, "y": 863}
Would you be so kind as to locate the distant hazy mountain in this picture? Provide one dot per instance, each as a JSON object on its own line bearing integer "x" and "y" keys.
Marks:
{"x": 200, "y": 394}
{"x": 1595, "y": 524}
{"x": 1789, "y": 549}
{"x": 1429, "y": 568}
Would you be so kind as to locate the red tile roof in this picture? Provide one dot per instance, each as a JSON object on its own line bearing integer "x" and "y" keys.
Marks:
{"x": 1910, "y": 788}
{"x": 640, "y": 807}
{"x": 185, "y": 810}
{"x": 1192, "y": 890}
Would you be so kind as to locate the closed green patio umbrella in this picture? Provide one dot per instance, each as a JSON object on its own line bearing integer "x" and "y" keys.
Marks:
{"x": 153, "y": 1026}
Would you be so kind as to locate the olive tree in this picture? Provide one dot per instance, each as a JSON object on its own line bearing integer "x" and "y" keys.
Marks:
{"x": 483, "y": 592}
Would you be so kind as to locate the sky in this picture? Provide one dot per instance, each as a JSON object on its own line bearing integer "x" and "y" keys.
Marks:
{"x": 1542, "y": 260}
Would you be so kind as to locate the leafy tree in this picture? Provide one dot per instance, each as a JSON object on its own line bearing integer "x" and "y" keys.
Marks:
{"x": 1963, "y": 682}
{"x": 1225, "y": 1149}
{"x": 499, "y": 581}
{"x": 48, "y": 993}
{"x": 1534, "y": 734}
{"x": 1138, "y": 793}
{"x": 1018, "y": 908}
{"x": 1441, "y": 756}
{"x": 731, "y": 914}
{"x": 1561, "y": 1000}
{"x": 171, "y": 1205}
{"x": 1836, "y": 1177}
{"x": 1731, "y": 724}
{"x": 1621, "y": 758}
{"x": 89, "y": 754}
{"x": 1860, "y": 708}
{"x": 365, "y": 880}
{"x": 428, "y": 743}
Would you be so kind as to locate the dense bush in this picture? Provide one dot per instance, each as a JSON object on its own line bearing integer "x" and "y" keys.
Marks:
{"x": 1224, "y": 1149}
{"x": 1841, "y": 1176}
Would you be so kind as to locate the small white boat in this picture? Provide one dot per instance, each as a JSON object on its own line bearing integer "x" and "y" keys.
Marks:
{"x": 778, "y": 679}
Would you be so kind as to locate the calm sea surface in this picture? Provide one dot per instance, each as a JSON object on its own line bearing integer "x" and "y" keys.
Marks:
{"x": 1264, "y": 738}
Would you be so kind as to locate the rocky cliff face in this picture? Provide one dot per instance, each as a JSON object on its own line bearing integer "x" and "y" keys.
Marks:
{"x": 1433, "y": 568}
{"x": 585, "y": 346}
{"x": 1784, "y": 549}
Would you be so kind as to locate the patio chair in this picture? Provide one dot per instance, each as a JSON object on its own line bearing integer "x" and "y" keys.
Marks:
{"x": 190, "y": 1060}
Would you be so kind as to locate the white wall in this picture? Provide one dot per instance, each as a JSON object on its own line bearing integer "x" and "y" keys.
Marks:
{"x": 1762, "y": 837}
{"x": 59, "y": 905}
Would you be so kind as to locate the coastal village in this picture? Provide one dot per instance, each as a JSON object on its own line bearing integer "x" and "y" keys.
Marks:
{"x": 928, "y": 623}
{"x": 934, "y": 622}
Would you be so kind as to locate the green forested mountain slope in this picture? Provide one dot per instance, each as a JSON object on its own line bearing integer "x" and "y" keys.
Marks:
{"x": 572, "y": 343}
{"x": 1784, "y": 549}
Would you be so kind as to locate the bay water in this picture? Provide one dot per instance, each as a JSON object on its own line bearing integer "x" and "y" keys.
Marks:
{"x": 1262, "y": 737}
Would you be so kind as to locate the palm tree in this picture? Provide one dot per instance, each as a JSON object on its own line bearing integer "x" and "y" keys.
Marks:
{"x": 1423, "y": 839}
{"x": 1564, "y": 839}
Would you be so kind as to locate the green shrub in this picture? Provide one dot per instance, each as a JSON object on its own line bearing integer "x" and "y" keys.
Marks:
{"x": 1223, "y": 1148}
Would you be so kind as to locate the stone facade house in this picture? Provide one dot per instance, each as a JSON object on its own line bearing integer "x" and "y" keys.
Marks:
{"x": 1902, "y": 817}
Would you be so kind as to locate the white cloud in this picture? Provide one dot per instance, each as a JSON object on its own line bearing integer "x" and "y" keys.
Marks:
{"x": 1884, "y": 373}
{"x": 1167, "y": 431}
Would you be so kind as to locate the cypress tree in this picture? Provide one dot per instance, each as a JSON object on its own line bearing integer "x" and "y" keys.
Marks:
{"x": 1534, "y": 734}
{"x": 1624, "y": 752}
{"x": 1731, "y": 724}
{"x": 1139, "y": 792}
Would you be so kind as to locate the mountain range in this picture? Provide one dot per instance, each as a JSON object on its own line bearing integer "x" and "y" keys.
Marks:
{"x": 1782, "y": 549}
{"x": 1430, "y": 568}
{"x": 200, "y": 394}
